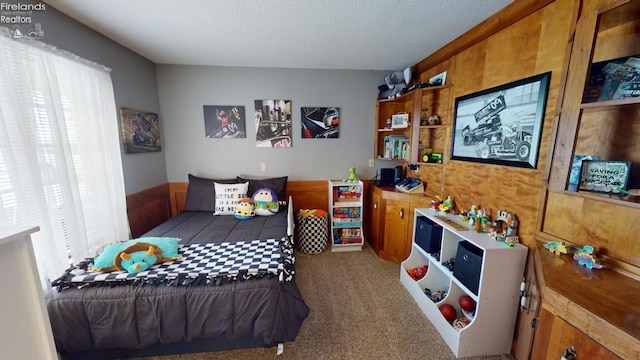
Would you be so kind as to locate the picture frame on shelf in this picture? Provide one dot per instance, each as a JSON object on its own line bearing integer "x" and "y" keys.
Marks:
{"x": 438, "y": 80}
{"x": 501, "y": 125}
{"x": 576, "y": 170}
{"x": 614, "y": 79}
{"x": 400, "y": 121}
{"x": 604, "y": 176}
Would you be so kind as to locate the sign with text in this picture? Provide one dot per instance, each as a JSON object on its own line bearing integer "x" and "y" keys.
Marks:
{"x": 604, "y": 176}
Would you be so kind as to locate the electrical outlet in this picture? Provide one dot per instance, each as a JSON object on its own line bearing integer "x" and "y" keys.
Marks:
{"x": 263, "y": 166}
{"x": 372, "y": 163}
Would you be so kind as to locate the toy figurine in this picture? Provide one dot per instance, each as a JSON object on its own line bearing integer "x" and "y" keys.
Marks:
{"x": 446, "y": 205}
{"x": 435, "y": 203}
{"x": 352, "y": 175}
{"x": 449, "y": 203}
{"x": 585, "y": 257}
{"x": 556, "y": 247}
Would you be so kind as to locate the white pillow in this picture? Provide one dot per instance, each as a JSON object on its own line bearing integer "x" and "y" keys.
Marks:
{"x": 227, "y": 196}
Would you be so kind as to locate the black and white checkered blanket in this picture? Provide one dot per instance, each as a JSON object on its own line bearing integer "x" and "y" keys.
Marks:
{"x": 201, "y": 264}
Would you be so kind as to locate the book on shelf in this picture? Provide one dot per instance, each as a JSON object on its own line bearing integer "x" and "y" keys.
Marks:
{"x": 349, "y": 202}
{"x": 347, "y": 214}
{"x": 347, "y": 236}
{"x": 393, "y": 146}
{"x": 347, "y": 192}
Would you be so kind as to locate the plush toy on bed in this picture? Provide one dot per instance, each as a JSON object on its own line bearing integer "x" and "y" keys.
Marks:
{"x": 138, "y": 257}
{"x": 266, "y": 202}
{"x": 245, "y": 209}
{"x": 119, "y": 256}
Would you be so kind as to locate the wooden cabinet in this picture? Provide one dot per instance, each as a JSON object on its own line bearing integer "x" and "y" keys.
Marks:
{"x": 373, "y": 235}
{"x": 422, "y": 138}
{"x": 597, "y": 304}
{"x": 391, "y": 221}
{"x": 559, "y": 336}
{"x": 396, "y": 214}
{"x": 602, "y": 304}
{"x": 486, "y": 270}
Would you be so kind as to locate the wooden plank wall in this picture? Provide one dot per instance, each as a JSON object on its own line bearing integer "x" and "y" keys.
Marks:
{"x": 532, "y": 45}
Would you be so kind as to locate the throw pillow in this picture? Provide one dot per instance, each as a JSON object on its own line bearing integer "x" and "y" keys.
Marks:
{"x": 227, "y": 196}
{"x": 201, "y": 193}
{"x": 277, "y": 184}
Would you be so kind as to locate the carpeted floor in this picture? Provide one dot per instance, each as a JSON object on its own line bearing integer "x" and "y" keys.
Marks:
{"x": 359, "y": 310}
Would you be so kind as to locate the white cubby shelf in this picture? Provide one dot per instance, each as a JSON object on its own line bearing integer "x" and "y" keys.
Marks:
{"x": 490, "y": 330}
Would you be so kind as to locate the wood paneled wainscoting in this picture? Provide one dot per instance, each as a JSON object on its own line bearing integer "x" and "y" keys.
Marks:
{"x": 149, "y": 208}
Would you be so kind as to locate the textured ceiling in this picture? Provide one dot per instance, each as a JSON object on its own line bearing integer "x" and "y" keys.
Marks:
{"x": 320, "y": 34}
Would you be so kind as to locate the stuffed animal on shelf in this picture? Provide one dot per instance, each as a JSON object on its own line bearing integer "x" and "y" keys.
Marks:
{"x": 138, "y": 257}
{"x": 245, "y": 209}
{"x": 352, "y": 175}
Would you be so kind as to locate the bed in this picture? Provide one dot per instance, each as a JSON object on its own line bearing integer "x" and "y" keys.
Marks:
{"x": 229, "y": 310}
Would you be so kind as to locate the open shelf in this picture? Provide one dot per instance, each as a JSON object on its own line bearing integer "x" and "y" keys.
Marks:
{"x": 500, "y": 271}
{"x": 346, "y": 213}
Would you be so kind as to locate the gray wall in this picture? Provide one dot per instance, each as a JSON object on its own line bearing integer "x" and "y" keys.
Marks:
{"x": 185, "y": 89}
{"x": 177, "y": 93}
{"x": 134, "y": 82}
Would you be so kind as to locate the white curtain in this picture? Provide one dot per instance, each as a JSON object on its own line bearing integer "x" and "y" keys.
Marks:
{"x": 60, "y": 164}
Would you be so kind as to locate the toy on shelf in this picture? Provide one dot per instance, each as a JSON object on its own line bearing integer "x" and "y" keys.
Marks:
{"x": 505, "y": 228}
{"x": 470, "y": 215}
{"x": 586, "y": 257}
{"x": 448, "y": 311}
{"x": 435, "y": 296}
{"x": 556, "y": 247}
{"x": 435, "y": 203}
{"x": 461, "y": 322}
{"x": 352, "y": 175}
{"x": 447, "y": 205}
{"x": 418, "y": 273}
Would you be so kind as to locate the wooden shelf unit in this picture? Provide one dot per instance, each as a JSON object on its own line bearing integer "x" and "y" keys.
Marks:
{"x": 419, "y": 104}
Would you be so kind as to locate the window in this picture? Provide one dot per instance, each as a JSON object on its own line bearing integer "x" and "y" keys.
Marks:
{"x": 60, "y": 164}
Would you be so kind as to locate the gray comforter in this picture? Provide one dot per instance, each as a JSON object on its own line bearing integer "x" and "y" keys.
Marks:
{"x": 130, "y": 317}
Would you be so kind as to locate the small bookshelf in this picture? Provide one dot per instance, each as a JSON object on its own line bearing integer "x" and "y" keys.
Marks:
{"x": 345, "y": 208}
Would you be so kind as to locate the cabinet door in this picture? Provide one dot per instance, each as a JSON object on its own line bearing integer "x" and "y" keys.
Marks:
{"x": 395, "y": 230}
{"x": 564, "y": 336}
{"x": 375, "y": 222}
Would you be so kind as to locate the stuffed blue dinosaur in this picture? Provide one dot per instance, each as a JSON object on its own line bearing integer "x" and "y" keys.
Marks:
{"x": 138, "y": 257}
{"x": 110, "y": 255}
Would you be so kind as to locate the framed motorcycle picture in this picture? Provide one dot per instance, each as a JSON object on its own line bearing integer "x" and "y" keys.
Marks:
{"x": 501, "y": 125}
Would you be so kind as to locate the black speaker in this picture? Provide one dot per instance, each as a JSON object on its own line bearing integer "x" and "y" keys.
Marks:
{"x": 386, "y": 177}
{"x": 398, "y": 174}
